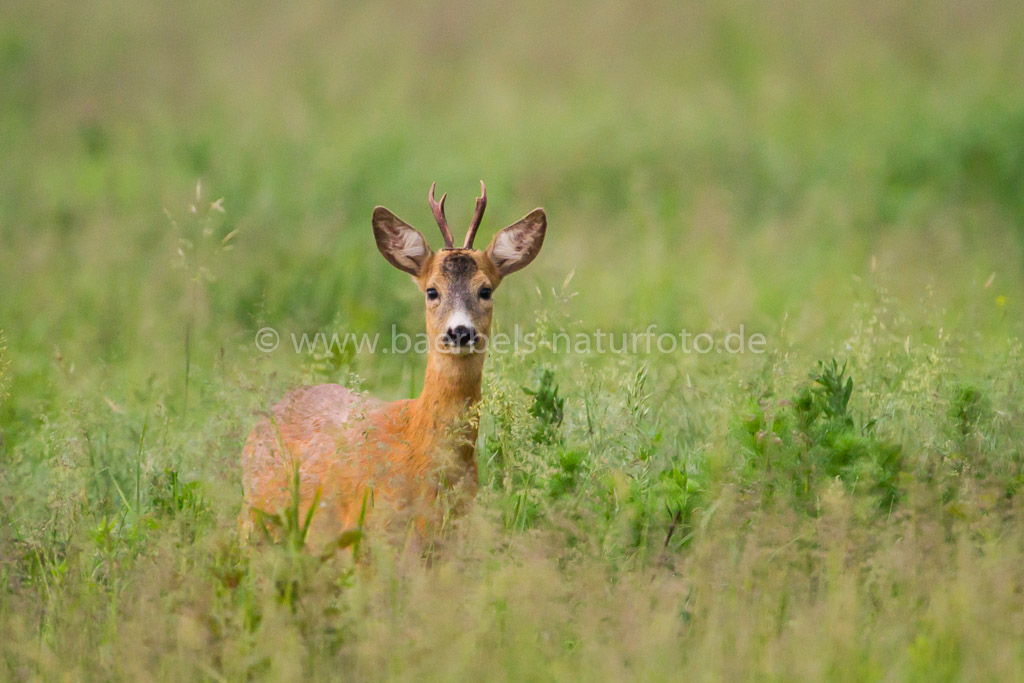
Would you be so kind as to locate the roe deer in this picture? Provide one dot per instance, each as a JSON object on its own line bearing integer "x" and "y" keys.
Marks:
{"x": 349, "y": 448}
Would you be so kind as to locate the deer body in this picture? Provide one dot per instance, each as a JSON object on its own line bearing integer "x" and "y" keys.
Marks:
{"x": 399, "y": 457}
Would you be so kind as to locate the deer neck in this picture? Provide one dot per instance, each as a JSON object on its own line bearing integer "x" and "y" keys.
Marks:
{"x": 443, "y": 411}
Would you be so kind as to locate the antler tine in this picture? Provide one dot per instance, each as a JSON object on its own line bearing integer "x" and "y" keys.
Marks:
{"x": 481, "y": 204}
{"x": 442, "y": 222}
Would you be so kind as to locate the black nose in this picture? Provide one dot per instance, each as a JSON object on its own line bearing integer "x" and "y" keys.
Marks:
{"x": 460, "y": 335}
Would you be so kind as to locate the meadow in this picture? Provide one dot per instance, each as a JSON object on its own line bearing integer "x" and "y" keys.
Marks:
{"x": 844, "y": 178}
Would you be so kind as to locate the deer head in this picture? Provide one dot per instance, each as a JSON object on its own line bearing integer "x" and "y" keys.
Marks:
{"x": 458, "y": 282}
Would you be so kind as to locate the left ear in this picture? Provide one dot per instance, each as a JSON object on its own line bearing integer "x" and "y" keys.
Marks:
{"x": 516, "y": 246}
{"x": 400, "y": 243}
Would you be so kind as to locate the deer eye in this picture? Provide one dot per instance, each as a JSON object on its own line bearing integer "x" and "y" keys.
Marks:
{"x": 485, "y": 293}
{"x": 432, "y": 294}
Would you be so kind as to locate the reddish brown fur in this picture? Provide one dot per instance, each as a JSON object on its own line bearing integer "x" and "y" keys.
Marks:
{"x": 398, "y": 456}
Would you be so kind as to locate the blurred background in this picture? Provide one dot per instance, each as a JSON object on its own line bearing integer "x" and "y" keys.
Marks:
{"x": 702, "y": 165}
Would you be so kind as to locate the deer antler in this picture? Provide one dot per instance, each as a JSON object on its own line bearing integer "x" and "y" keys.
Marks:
{"x": 481, "y": 204}
{"x": 442, "y": 222}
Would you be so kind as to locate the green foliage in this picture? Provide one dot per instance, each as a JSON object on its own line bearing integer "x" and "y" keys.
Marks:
{"x": 547, "y": 408}
{"x": 967, "y": 408}
{"x": 4, "y": 365}
{"x": 978, "y": 162}
{"x": 815, "y": 438}
{"x": 172, "y": 496}
{"x": 4, "y": 386}
{"x": 569, "y": 473}
{"x": 831, "y": 396}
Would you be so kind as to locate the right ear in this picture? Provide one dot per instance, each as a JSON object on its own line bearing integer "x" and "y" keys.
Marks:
{"x": 518, "y": 244}
{"x": 400, "y": 243}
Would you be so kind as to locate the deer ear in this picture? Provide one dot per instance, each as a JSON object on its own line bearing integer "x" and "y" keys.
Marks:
{"x": 518, "y": 244}
{"x": 400, "y": 243}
